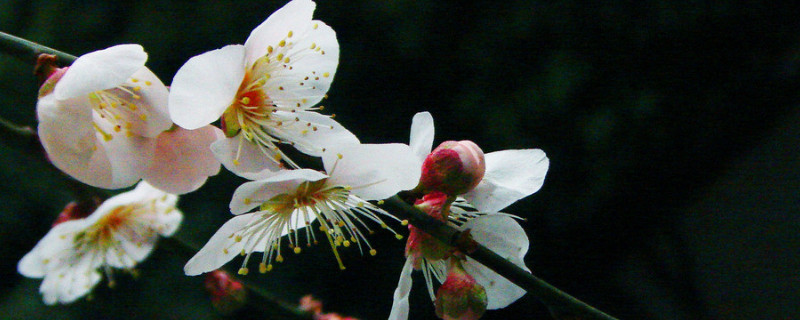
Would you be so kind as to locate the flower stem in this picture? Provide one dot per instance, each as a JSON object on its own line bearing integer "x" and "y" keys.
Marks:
{"x": 29, "y": 51}
{"x": 550, "y": 295}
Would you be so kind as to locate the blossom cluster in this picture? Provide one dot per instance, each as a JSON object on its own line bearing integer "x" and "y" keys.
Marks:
{"x": 109, "y": 122}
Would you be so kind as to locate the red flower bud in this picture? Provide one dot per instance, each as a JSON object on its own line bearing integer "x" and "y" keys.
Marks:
{"x": 421, "y": 244}
{"x": 75, "y": 210}
{"x": 460, "y": 297}
{"x": 227, "y": 294}
{"x": 454, "y": 167}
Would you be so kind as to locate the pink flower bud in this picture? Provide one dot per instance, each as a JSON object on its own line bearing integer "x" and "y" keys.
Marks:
{"x": 421, "y": 244}
{"x": 227, "y": 294}
{"x": 460, "y": 297}
{"x": 454, "y": 167}
{"x": 77, "y": 210}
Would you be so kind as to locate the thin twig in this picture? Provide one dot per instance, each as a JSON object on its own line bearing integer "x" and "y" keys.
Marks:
{"x": 550, "y": 295}
{"x": 28, "y": 51}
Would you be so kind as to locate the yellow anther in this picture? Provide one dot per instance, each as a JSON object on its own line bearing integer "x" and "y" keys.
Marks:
{"x": 269, "y": 49}
{"x": 290, "y": 34}
{"x": 148, "y": 83}
{"x": 326, "y": 74}
{"x": 280, "y": 56}
{"x": 242, "y": 253}
{"x": 353, "y": 239}
{"x": 399, "y": 236}
{"x": 247, "y": 201}
{"x": 238, "y": 238}
{"x": 235, "y": 162}
{"x": 383, "y": 225}
{"x": 136, "y": 96}
{"x": 316, "y": 25}
{"x": 137, "y": 88}
{"x": 143, "y": 117}
{"x": 262, "y": 267}
{"x": 102, "y": 105}
{"x": 297, "y": 250}
{"x": 313, "y": 45}
{"x": 245, "y": 100}
{"x": 243, "y": 271}
{"x": 286, "y": 60}
{"x": 279, "y": 258}
{"x": 134, "y": 80}
{"x": 339, "y": 155}
{"x": 282, "y": 44}
{"x": 380, "y": 202}
{"x": 117, "y": 128}
{"x": 225, "y": 251}
{"x": 46, "y": 261}
{"x": 404, "y": 222}
{"x": 373, "y": 252}
{"x": 346, "y": 243}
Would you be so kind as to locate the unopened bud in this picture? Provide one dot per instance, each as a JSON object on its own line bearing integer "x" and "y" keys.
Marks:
{"x": 460, "y": 296}
{"x": 227, "y": 294}
{"x": 77, "y": 210}
{"x": 421, "y": 244}
{"x": 454, "y": 167}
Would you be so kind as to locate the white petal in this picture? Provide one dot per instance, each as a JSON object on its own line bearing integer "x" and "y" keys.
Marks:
{"x": 251, "y": 194}
{"x": 129, "y": 157}
{"x": 205, "y": 86}
{"x": 400, "y": 304}
{"x": 67, "y": 284}
{"x": 300, "y": 129}
{"x": 221, "y": 248}
{"x": 100, "y": 70}
{"x": 374, "y": 171}
{"x": 65, "y": 130}
{"x": 183, "y": 160}
{"x": 422, "y": 131}
{"x": 44, "y": 255}
{"x": 242, "y": 157}
{"x": 295, "y": 16}
{"x": 504, "y": 236}
{"x": 153, "y": 99}
{"x": 510, "y": 175}
{"x": 313, "y": 59}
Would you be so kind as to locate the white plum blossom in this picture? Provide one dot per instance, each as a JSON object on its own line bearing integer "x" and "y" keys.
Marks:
{"x": 264, "y": 91}
{"x": 510, "y": 175}
{"x": 498, "y": 233}
{"x": 104, "y": 121}
{"x": 288, "y": 202}
{"x": 120, "y": 233}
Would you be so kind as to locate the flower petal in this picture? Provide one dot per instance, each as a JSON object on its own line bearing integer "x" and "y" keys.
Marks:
{"x": 67, "y": 284}
{"x": 422, "y": 131}
{"x": 243, "y": 157}
{"x": 183, "y": 160}
{"x": 129, "y": 157}
{"x": 312, "y": 133}
{"x": 205, "y": 86}
{"x": 295, "y": 16}
{"x": 221, "y": 248}
{"x": 65, "y": 130}
{"x": 510, "y": 175}
{"x": 374, "y": 171}
{"x": 310, "y": 65}
{"x": 505, "y": 237}
{"x": 400, "y": 304}
{"x": 100, "y": 70}
{"x": 153, "y": 98}
{"x": 251, "y": 194}
{"x": 37, "y": 262}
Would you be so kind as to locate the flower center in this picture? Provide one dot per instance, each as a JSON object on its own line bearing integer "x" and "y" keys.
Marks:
{"x": 119, "y": 110}
{"x": 263, "y": 120}
{"x": 338, "y": 212}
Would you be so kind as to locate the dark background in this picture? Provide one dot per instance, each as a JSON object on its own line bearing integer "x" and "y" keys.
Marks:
{"x": 671, "y": 127}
